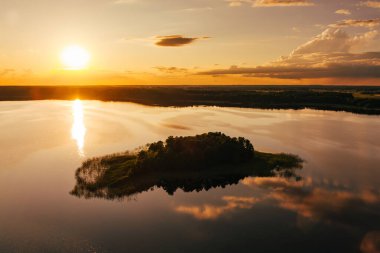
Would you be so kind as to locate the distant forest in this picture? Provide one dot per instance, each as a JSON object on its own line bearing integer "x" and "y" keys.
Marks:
{"x": 356, "y": 99}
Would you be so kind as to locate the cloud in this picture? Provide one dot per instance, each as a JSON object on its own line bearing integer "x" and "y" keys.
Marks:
{"x": 331, "y": 40}
{"x": 343, "y": 12}
{"x": 4, "y": 72}
{"x": 176, "y": 126}
{"x": 296, "y": 29}
{"x": 207, "y": 8}
{"x": 211, "y": 212}
{"x": 371, "y": 4}
{"x": 271, "y": 3}
{"x": 176, "y": 40}
{"x": 369, "y": 23}
{"x": 237, "y": 3}
{"x": 334, "y": 40}
{"x": 124, "y": 1}
{"x": 365, "y": 65}
{"x": 171, "y": 70}
{"x": 328, "y": 55}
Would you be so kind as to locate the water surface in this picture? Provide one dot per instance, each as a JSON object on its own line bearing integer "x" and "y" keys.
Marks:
{"x": 334, "y": 208}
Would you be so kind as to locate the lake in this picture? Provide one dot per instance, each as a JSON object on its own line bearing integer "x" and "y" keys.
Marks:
{"x": 335, "y": 207}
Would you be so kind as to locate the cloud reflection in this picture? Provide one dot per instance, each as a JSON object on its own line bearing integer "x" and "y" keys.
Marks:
{"x": 211, "y": 212}
{"x": 307, "y": 199}
{"x": 323, "y": 202}
{"x": 371, "y": 242}
{"x": 78, "y": 130}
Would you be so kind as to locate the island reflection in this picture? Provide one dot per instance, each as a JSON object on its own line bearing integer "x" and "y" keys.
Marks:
{"x": 192, "y": 163}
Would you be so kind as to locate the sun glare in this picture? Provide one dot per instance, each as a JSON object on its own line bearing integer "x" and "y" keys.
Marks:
{"x": 75, "y": 58}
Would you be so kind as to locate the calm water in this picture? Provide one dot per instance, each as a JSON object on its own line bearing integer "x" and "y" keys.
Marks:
{"x": 335, "y": 208}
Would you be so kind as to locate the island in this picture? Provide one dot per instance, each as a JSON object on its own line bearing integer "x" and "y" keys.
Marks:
{"x": 191, "y": 163}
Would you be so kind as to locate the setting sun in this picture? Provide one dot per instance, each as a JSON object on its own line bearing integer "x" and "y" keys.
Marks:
{"x": 75, "y": 57}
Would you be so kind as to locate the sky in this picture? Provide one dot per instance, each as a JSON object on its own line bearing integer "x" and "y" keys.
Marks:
{"x": 191, "y": 42}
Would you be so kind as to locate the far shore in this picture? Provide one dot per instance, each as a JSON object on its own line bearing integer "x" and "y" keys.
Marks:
{"x": 355, "y": 99}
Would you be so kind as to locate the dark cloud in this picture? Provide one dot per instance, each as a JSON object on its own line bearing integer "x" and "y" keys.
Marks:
{"x": 175, "y": 126}
{"x": 337, "y": 70}
{"x": 325, "y": 56}
{"x": 171, "y": 70}
{"x": 6, "y": 71}
{"x": 357, "y": 23}
{"x": 176, "y": 40}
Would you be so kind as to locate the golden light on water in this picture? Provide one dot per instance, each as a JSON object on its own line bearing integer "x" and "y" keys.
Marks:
{"x": 78, "y": 130}
{"x": 75, "y": 57}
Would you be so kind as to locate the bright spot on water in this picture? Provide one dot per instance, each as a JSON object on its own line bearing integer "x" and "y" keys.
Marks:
{"x": 78, "y": 130}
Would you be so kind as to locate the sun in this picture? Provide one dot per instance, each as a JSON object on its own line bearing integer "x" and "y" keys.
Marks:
{"x": 75, "y": 57}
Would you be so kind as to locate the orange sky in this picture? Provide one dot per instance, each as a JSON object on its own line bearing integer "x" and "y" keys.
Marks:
{"x": 191, "y": 42}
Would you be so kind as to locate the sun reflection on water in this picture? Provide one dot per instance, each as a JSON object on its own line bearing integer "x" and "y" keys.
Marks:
{"x": 78, "y": 130}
